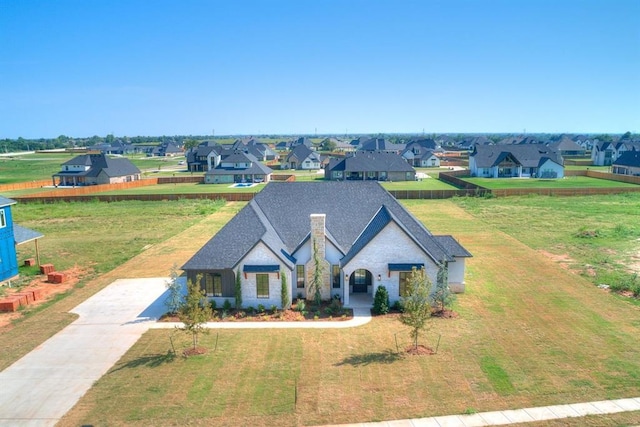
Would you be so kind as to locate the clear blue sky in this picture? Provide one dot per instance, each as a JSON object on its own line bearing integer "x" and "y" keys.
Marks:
{"x": 183, "y": 67}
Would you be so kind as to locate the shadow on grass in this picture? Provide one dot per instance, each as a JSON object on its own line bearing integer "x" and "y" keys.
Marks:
{"x": 383, "y": 357}
{"x": 151, "y": 361}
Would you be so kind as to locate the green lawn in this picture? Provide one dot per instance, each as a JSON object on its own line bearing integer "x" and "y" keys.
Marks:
{"x": 596, "y": 236}
{"x": 100, "y": 236}
{"x": 529, "y": 332}
{"x": 187, "y": 188}
{"x": 425, "y": 184}
{"x": 567, "y": 182}
{"x": 31, "y": 167}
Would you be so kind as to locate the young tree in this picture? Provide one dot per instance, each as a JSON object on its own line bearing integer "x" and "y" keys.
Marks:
{"x": 195, "y": 312}
{"x": 316, "y": 280}
{"x": 441, "y": 296}
{"x": 416, "y": 303}
{"x": 238, "y": 290}
{"x": 174, "y": 299}
{"x": 284, "y": 291}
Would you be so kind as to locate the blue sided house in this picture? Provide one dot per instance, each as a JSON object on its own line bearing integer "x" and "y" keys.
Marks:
{"x": 11, "y": 235}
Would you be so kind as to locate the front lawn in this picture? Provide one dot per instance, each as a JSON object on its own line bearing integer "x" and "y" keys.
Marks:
{"x": 567, "y": 182}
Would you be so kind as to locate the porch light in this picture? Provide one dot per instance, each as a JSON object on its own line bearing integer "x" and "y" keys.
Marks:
{"x": 379, "y": 277}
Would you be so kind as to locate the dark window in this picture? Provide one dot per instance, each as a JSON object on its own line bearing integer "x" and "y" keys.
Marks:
{"x": 213, "y": 285}
{"x": 405, "y": 276}
{"x": 335, "y": 273}
{"x": 262, "y": 285}
{"x": 300, "y": 276}
{"x": 3, "y": 220}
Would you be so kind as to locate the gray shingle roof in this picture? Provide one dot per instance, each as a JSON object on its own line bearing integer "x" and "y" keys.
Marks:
{"x": 99, "y": 163}
{"x": 628, "y": 158}
{"x": 24, "y": 235}
{"x": 279, "y": 217}
{"x": 528, "y": 155}
{"x": 452, "y": 246}
{"x": 4, "y": 201}
{"x": 371, "y": 161}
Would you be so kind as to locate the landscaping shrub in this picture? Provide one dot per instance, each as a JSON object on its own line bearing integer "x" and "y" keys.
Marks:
{"x": 381, "y": 301}
{"x": 226, "y": 306}
{"x": 260, "y": 308}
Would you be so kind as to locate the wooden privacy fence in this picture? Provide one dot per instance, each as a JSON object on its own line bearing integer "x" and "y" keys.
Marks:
{"x": 229, "y": 197}
{"x": 91, "y": 189}
{"x": 25, "y": 185}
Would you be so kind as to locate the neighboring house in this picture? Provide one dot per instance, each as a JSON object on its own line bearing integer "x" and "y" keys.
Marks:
{"x": 421, "y": 154}
{"x": 567, "y": 147}
{"x": 259, "y": 150}
{"x": 166, "y": 149}
{"x": 381, "y": 144}
{"x": 606, "y": 153}
{"x": 470, "y": 142}
{"x": 523, "y": 161}
{"x": 92, "y": 169}
{"x": 603, "y": 153}
{"x": 204, "y": 157}
{"x": 370, "y": 166}
{"x": 238, "y": 167}
{"x": 362, "y": 236}
{"x": 11, "y": 235}
{"x": 628, "y": 163}
{"x": 302, "y": 157}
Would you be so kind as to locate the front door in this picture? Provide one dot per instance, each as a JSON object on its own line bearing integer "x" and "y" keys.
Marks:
{"x": 360, "y": 280}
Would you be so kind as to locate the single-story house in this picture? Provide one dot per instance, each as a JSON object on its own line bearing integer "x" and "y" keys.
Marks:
{"x": 523, "y": 161}
{"x": 627, "y": 164}
{"x": 568, "y": 147}
{"x": 238, "y": 167}
{"x": 371, "y": 166}
{"x": 302, "y": 157}
{"x": 381, "y": 144}
{"x": 361, "y": 236}
{"x": 12, "y": 235}
{"x": 92, "y": 169}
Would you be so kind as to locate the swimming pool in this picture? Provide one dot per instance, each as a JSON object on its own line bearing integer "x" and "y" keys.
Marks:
{"x": 243, "y": 185}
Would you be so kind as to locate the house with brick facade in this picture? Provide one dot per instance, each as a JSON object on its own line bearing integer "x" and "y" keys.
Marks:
{"x": 362, "y": 237}
{"x": 96, "y": 168}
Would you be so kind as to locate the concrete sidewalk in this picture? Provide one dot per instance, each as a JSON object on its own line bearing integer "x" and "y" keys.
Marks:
{"x": 513, "y": 416}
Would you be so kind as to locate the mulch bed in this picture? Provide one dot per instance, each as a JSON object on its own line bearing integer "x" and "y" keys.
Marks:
{"x": 290, "y": 315}
{"x": 421, "y": 350}
{"x": 194, "y": 351}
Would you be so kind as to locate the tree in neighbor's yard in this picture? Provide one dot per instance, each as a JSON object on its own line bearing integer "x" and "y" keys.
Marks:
{"x": 417, "y": 309}
{"x": 441, "y": 296}
{"x": 195, "y": 312}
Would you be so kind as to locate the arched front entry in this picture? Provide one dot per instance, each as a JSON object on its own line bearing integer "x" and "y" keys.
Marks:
{"x": 360, "y": 281}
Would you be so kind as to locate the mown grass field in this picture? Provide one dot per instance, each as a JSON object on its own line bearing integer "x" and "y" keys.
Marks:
{"x": 597, "y": 237}
{"x": 529, "y": 332}
{"x": 567, "y": 182}
{"x": 31, "y": 167}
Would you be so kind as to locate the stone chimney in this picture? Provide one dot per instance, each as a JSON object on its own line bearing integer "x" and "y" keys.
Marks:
{"x": 318, "y": 238}
{"x": 317, "y": 234}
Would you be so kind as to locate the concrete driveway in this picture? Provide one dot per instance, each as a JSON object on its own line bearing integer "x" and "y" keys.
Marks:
{"x": 41, "y": 387}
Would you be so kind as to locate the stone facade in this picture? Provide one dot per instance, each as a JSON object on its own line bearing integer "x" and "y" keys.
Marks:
{"x": 318, "y": 239}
